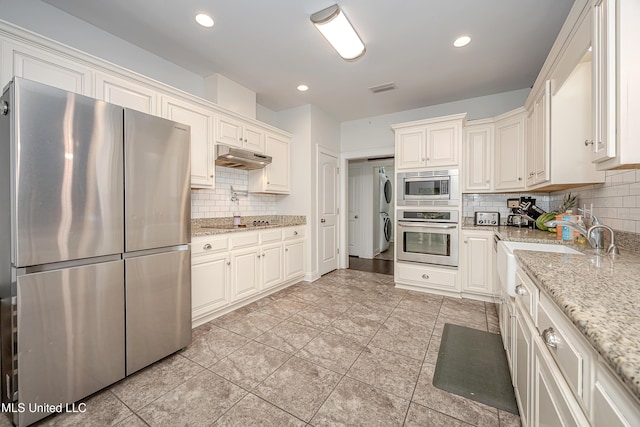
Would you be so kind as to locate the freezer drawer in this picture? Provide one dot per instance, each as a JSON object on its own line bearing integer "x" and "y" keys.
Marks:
{"x": 157, "y": 182}
{"x": 70, "y": 334}
{"x": 158, "y": 302}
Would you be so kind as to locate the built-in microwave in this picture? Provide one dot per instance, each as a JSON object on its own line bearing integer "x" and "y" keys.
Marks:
{"x": 428, "y": 188}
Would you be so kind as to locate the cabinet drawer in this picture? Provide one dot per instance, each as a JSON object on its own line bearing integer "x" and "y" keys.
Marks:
{"x": 569, "y": 350}
{"x": 268, "y": 236}
{"x": 209, "y": 244}
{"x": 244, "y": 239}
{"x": 527, "y": 293}
{"x": 427, "y": 276}
{"x": 293, "y": 232}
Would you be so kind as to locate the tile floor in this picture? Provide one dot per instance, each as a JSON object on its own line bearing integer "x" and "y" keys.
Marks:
{"x": 348, "y": 349}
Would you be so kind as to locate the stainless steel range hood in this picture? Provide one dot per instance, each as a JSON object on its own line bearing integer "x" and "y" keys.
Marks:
{"x": 238, "y": 158}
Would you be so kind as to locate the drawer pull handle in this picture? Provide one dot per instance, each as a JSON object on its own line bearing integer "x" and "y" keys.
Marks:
{"x": 550, "y": 338}
{"x": 521, "y": 291}
{"x": 207, "y": 246}
{"x": 425, "y": 276}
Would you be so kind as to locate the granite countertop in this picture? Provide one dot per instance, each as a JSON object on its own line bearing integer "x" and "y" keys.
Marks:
{"x": 211, "y": 226}
{"x": 601, "y": 297}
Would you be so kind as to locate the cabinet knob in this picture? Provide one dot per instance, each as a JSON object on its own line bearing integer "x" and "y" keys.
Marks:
{"x": 268, "y": 183}
{"x": 425, "y": 276}
{"x": 323, "y": 220}
{"x": 264, "y": 255}
{"x": 207, "y": 246}
{"x": 465, "y": 241}
{"x": 550, "y": 338}
{"x": 211, "y": 176}
{"x": 587, "y": 143}
{"x": 520, "y": 290}
{"x": 295, "y": 233}
{"x": 423, "y": 159}
{"x": 245, "y": 140}
{"x": 228, "y": 262}
{"x": 356, "y": 217}
{"x": 286, "y": 249}
{"x": 519, "y": 178}
{"x": 258, "y": 256}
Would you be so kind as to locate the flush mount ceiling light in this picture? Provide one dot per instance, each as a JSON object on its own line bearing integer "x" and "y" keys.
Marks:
{"x": 336, "y": 28}
{"x": 462, "y": 41}
{"x": 303, "y": 88}
{"x": 204, "y": 20}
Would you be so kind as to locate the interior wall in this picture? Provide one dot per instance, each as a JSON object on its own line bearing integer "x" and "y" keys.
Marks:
{"x": 375, "y": 132}
{"x": 46, "y": 20}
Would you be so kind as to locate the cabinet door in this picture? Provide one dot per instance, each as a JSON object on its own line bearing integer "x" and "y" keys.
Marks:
{"x": 530, "y": 149}
{"x": 477, "y": 261}
{"x": 477, "y": 158}
{"x": 542, "y": 136}
{"x": 552, "y": 401}
{"x": 209, "y": 284}
{"x": 509, "y": 153}
{"x": 411, "y": 149}
{"x": 443, "y": 142}
{"x": 522, "y": 363}
{"x": 33, "y": 64}
{"x": 244, "y": 273}
{"x": 293, "y": 259}
{"x": 613, "y": 406}
{"x": 126, "y": 93}
{"x": 202, "y": 145}
{"x": 272, "y": 265}
{"x": 229, "y": 131}
{"x": 253, "y": 139}
{"x": 278, "y": 172}
{"x": 604, "y": 80}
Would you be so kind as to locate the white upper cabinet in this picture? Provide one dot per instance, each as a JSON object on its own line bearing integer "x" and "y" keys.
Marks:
{"x": 236, "y": 133}
{"x": 201, "y": 121}
{"x": 476, "y": 156}
{"x": 538, "y": 141}
{"x": 616, "y": 83}
{"x": 509, "y": 150}
{"x": 126, "y": 93}
{"x": 275, "y": 177}
{"x": 432, "y": 143}
{"x": 22, "y": 60}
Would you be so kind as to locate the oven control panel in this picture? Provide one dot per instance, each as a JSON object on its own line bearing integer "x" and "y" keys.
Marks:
{"x": 487, "y": 218}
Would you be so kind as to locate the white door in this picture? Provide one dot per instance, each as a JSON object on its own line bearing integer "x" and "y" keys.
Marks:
{"x": 355, "y": 192}
{"x": 327, "y": 213}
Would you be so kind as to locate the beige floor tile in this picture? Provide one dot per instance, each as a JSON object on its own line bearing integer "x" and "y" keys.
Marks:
{"x": 132, "y": 421}
{"x": 421, "y": 416}
{"x": 298, "y": 387}
{"x": 354, "y": 403}
{"x": 370, "y": 310}
{"x": 315, "y": 317}
{"x": 210, "y": 344}
{"x": 469, "y": 323}
{"x": 103, "y": 408}
{"x": 355, "y": 328}
{"x": 283, "y": 308}
{"x": 433, "y": 350}
{"x": 420, "y": 318}
{"x": 403, "y": 337}
{"x": 152, "y": 382}
{"x": 288, "y": 336}
{"x": 250, "y": 364}
{"x": 198, "y": 402}
{"x": 252, "y": 411}
{"x": 450, "y": 404}
{"x": 332, "y": 352}
{"x": 249, "y": 325}
{"x": 386, "y": 371}
{"x": 421, "y": 305}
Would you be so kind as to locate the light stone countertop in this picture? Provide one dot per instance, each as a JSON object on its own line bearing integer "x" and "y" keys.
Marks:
{"x": 600, "y": 297}
{"x": 211, "y": 226}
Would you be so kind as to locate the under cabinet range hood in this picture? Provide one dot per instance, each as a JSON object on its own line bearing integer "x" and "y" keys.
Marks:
{"x": 238, "y": 158}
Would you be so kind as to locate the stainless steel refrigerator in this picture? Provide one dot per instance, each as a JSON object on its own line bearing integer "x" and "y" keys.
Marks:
{"x": 95, "y": 280}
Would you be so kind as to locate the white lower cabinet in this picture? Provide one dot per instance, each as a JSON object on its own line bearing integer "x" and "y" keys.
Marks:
{"x": 612, "y": 406}
{"x": 476, "y": 272}
{"x": 230, "y": 270}
{"x": 423, "y": 277}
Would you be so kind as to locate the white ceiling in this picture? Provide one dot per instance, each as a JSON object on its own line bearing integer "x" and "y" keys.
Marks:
{"x": 271, "y": 46}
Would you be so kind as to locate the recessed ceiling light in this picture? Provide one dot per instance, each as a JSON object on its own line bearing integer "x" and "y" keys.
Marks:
{"x": 303, "y": 88}
{"x": 204, "y": 20}
{"x": 462, "y": 41}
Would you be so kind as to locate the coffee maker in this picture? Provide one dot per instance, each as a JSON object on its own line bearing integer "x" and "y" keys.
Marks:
{"x": 524, "y": 212}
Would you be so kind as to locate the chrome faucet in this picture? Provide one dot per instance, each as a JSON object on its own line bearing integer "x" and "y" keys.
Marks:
{"x": 612, "y": 249}
{"x": 580, "y": 229}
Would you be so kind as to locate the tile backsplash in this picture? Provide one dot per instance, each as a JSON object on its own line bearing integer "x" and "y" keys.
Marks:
{"x": 217, "y": 203}
{"x": 616, "y": 202}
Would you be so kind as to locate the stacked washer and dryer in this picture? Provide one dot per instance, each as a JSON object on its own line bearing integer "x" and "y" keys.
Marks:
{"x": 386, "y": 226}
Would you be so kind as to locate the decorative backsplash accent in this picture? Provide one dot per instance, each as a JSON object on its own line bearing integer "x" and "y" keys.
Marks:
{"x": 217, "y": 203}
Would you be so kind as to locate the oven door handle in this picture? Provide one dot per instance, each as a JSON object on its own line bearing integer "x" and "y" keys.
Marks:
{"x": 427, "y": 225}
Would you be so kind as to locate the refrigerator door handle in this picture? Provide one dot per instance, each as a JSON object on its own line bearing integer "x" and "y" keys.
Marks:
{"x": 128, "y": 255}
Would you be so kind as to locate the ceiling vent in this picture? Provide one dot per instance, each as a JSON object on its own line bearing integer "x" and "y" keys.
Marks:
{"x": 383, "y": 87}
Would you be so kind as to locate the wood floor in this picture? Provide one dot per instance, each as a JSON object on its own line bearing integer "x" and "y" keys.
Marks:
{"x": 381, "y": 266}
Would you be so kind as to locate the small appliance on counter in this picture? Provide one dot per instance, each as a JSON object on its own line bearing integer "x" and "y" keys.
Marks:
{"x": 487, "y": 218}
{"x": 524, "y": 212}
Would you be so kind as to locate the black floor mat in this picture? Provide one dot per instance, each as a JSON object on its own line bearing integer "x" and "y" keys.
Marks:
{"x": 473, "y": 364}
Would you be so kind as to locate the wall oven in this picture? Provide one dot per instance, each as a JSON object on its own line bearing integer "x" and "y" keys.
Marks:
{"x": 428, "y": 188}
{"x": 429, "y": 237}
